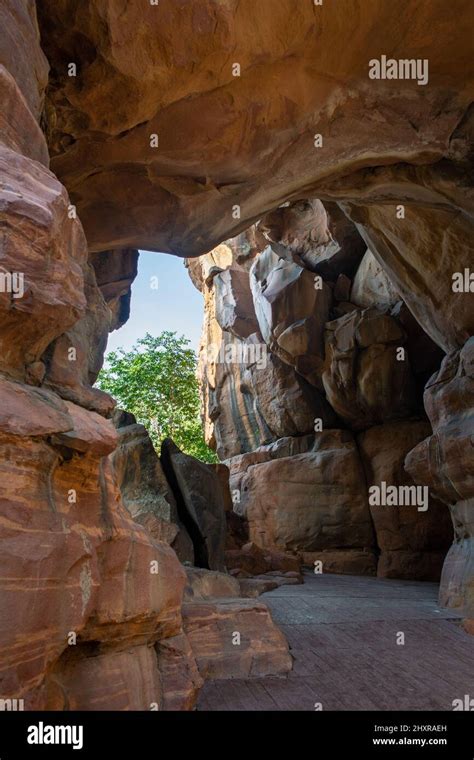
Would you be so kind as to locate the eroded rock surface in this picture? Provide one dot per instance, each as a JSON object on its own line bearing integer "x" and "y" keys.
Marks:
{"x": 413, "y": 539}
{"x": 250, "y": 396}
{"x": 235, "y": 638}
{"x": 200, "y": 493}
{"x": 445, "y": 462}
{"x": 303, "y": 120}
{"x": 82, "y": 603}
{"x": 311, "y": 501}
{"x": 368, "y": 378}
{"x": 145, "y": 490}
{"x": 156, "y": 144}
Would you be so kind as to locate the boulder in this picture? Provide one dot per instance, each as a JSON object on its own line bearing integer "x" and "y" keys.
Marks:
{"x": 311, "y": 501}
{"x": 235, "y": 638}
{"x": 317, "y": 236}
{"x": 367, "y": 377}
{"x": 413, "y": 543}
{"x": 238, "y": 465}
{"x": 209, "y": 584}
{"x": 201, "y": 500}
{"x": 145, "y": 491}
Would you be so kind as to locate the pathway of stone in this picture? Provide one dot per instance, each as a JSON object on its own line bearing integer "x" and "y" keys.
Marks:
{"x": 342, "y": 631}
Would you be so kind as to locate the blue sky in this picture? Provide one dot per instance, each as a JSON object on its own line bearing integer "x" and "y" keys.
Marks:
{"x": 175, "y": 305}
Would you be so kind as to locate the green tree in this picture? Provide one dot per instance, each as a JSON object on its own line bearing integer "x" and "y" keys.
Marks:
{"x": 157, "y": 382}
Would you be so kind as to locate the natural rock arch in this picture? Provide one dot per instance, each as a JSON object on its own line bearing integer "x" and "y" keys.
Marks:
{"x": 229, "y": 150}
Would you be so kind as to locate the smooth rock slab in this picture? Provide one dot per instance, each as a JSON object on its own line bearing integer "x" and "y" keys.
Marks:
{"x": 211, "y": 627}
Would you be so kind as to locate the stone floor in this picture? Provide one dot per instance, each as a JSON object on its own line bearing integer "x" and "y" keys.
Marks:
{"x": 342, "y": 632}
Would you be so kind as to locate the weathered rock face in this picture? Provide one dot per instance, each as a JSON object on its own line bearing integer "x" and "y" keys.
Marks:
{"x": 371, "y": 285}
{"x": 291, "y": 313}
{"x": 73, "y": 361}
{"x": 179, "y": 675}
{"x": 234, "y": 307}
{"x": 368, "y": 378}
{"x": 211, "y": 627}
{"x": 200, "y": 494}
{"x": 289, "y": 490}
{"x": 294, "y": 124}
{"x": 319, "y": 237}
{"x": 444, "y": 461}
{"x": 406, "y": 250}
{"x": 145, "y": 491}
{"x": 66, "y": 523}
{"x": 250, "y": 396}
{"x": 115, "y": 272}
{"x": 41, "y": 302}
{"x": 24, "y": 60}
{"x": 90, "y": 605}
{"x": 413, "y": 540}
{"x": 310, "y": 501}
{"x": 63, "y": 523}
{"x": 158, "y": 145}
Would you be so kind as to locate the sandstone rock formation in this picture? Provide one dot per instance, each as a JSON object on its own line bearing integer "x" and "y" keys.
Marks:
{"x": 371, "y": 286}
{"x": 291, "y": 313}
{"x": 445, "y": 462}
{"x": 309, "y": 494}
{"x": 303, "y": 120}
{"x": 145, "y": 490}
{"x": 413, "y": 544}
{"x": 250, "y": 397}
{"x": 115, "y": 272}
{"x": 318, "y": 237}
{"x": 200, "y": 498}
{"x": 310, "y": 501}
{"x": 235, "y": 638}
{"x": 68, "y": 530}
{"x": 156, "y": 143}
{"x": 368, "y": 378}
{"x": 87, "y": 514}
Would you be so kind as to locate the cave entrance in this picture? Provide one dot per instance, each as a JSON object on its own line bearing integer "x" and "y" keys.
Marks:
{"x": 303, "y": 288}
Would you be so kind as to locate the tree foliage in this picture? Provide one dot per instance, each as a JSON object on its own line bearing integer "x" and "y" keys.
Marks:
{"x": 157, "y": 382}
